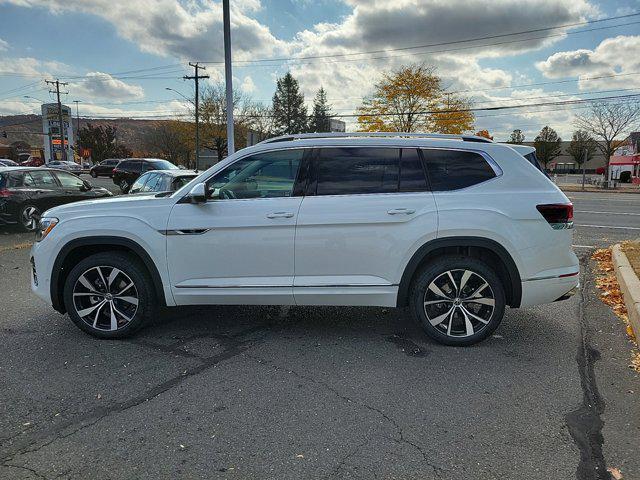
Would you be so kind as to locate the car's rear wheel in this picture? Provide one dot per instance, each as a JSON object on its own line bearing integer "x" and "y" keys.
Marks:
{"x": 124, "y": 186}
{"x": 458, "y": 300}
{"x": 29, "y": 218}
{"x": 110, "y": 295}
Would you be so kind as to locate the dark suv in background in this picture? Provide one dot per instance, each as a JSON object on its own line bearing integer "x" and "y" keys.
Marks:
{"x": 104, "y": 168}
{"x": 130, "y": 169}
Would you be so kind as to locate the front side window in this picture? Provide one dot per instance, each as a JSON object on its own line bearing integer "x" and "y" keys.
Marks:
{"x": 264, "y": 175}
{"x": 454, "y": 169}
{"x": 349, "y": 171}
{"x": 69, "y": 181}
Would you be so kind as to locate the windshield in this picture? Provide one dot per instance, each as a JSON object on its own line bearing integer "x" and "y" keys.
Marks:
{"x": 164, "y": 165}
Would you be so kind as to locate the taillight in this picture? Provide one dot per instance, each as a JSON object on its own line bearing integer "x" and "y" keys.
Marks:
{"x": 559, "y": 215}
{"x": 4, "y": 193}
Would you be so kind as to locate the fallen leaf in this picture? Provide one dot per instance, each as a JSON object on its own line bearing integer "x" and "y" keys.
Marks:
{"x": 616, "y": 474}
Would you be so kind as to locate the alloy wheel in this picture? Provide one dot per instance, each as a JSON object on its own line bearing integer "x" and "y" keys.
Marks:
{"x": 459, "y": 303}
{"x": 124, "y": 185}
{"x": 105, "y": 298}
{"x": 30, "y": 217}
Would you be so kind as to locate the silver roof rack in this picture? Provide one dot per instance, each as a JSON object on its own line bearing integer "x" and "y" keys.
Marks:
{"x": 303, "y": 136}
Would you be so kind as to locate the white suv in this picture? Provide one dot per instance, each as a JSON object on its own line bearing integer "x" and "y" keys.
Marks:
{"x": 453, "y": 227}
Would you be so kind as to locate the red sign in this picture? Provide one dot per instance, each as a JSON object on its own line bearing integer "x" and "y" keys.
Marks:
{"x": 58, "y": 142}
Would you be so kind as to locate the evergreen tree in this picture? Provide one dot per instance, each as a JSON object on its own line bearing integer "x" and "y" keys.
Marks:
{"x": 548, "y": 145}
{"x": 517, "y": 137}
{"x": 289, "y": 110}
{"x": 321, "y": 113}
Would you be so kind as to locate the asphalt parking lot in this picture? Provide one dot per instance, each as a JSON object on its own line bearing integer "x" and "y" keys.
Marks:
{"x": 345, "y": 393}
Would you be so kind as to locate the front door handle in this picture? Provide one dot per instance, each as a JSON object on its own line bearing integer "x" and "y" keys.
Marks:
{"x": 280, "y": 215}
{"x": 401, "y": 211}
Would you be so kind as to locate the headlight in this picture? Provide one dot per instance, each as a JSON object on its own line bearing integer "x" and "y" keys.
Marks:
{"x": 44, "y": 227}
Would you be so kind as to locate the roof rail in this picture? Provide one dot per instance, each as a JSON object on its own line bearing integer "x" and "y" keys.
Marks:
{"x": 303, "y": 136}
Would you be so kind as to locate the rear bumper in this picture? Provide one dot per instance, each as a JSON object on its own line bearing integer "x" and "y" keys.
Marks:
{"x": 536, "y": 292}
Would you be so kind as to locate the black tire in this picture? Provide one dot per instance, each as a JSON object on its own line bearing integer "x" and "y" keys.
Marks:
{"x": 124, "y": 186}
{"x": 93, "y": 174}
{"x": 28, "y": 218}
{"x": 463, "y": 316}
{"x": 131, "y": 270}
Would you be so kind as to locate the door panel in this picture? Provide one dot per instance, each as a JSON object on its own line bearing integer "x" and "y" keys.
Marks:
{"x": 350, "y": 248}
{"x": 238, "y": 246}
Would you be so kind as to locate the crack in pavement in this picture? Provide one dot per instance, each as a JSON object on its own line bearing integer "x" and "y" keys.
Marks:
{"x": 41, "y": 439}
{"x": 24, "y": 467}
{"x": 400, "y": 436}
{"x": 584, "y": 423}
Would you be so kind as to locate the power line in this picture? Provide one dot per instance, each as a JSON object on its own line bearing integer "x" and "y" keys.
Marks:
{"x": 453, "y": 42}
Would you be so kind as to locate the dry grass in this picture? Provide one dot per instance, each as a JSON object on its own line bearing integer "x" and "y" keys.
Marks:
{"x": 611, "y": 295}
{"x": 18, "y": 246}
{"x": 632, "y": 251}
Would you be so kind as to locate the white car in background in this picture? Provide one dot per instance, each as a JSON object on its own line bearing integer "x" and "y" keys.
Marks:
{"x": 455, "y": 228}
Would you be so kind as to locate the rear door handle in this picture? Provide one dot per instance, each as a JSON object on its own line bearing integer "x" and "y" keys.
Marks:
{"x": 401, "y": 211}
{"x": 280, "y": 215}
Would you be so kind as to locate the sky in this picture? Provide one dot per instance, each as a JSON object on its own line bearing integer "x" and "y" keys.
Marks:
{"x": 120, "y": 56}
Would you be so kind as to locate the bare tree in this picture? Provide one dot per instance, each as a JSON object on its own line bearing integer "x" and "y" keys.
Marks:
{"x": 213, "y": 118}
{"x": 260, "y": 119}
{"x": 609, "y": 123}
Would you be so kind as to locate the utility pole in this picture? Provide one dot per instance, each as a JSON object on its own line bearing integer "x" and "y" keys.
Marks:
{"x": 77, "y": 118}
{"x": 197, "y": 78}
{"x": 227, "y": 75}
{"x": 584, "y": 166}
{"x": 57, "y": 83}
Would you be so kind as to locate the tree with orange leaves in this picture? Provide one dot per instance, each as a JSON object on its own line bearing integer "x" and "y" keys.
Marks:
{"x": 412, "y": 99}
{"x": 484, "y": 133}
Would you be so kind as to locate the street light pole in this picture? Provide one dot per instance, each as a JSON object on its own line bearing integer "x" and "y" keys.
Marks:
{"x": 77, "y": 119}
{"x": 584, "y": 166}
{"x": 227, "y": 76}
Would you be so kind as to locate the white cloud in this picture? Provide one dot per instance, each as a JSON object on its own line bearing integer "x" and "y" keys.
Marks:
{"x": 616, "y": 55}
{"x": 189, "y": 30}
{"x": 4, "y": 45}
{"x": 103, "y": 85}
{"x": 248, "y": 85}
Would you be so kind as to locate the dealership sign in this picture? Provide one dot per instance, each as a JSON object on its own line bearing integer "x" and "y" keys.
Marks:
{"x": 52, "y": 132}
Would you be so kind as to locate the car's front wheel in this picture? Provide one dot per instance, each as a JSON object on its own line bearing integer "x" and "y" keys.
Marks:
{"x": 29, "y": 218}
{"x": 110, "y": 295}
{"x": 458, "y": 300}
{"x": 124, "y": 186}
{"x": 93, "y": 173}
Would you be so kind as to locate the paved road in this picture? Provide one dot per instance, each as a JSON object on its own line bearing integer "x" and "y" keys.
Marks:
{"x": 605, "y": 218}
{"x": 344, "y": 393}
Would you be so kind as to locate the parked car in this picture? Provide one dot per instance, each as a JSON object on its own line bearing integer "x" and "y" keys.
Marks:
{"x": 156, "y": 181}
{"x": 5, "y": 162}
{"x": 456, "y": 228}
{"x": 104, "y": 168}
{"x": 26, "y": 192}
{"x": 69, "y": 166}
{"x": 128, "y": 170}
{"x": 32, "y": 162}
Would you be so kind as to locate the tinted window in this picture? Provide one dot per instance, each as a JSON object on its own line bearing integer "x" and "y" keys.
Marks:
{"x": 162, "y": 165}
{"x": 13, "y": 180}
{"x": 42, "y": 178}
{"x": 69, "y": 181}
{"x": 412, "y": 177}
{"x": 451, "y": 169}
{"x": 347, "y": 171}
{"x": 264, "y": 175}
{"x": 180, "y": 182}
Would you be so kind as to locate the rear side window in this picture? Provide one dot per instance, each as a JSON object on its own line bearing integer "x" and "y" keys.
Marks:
{"x": 412, "y": 176}
{"x": 42, "y": 178}
{"x": 453, "y": 169}
{"x": 349, "y": 171}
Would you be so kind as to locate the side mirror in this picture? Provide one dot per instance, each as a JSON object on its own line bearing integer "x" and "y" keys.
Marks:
{"x": 86, "y": 186}
{"x": 198, "y": 193}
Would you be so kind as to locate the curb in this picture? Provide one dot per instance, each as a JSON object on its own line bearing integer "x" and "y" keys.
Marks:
{"x": 629, "y": 285}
